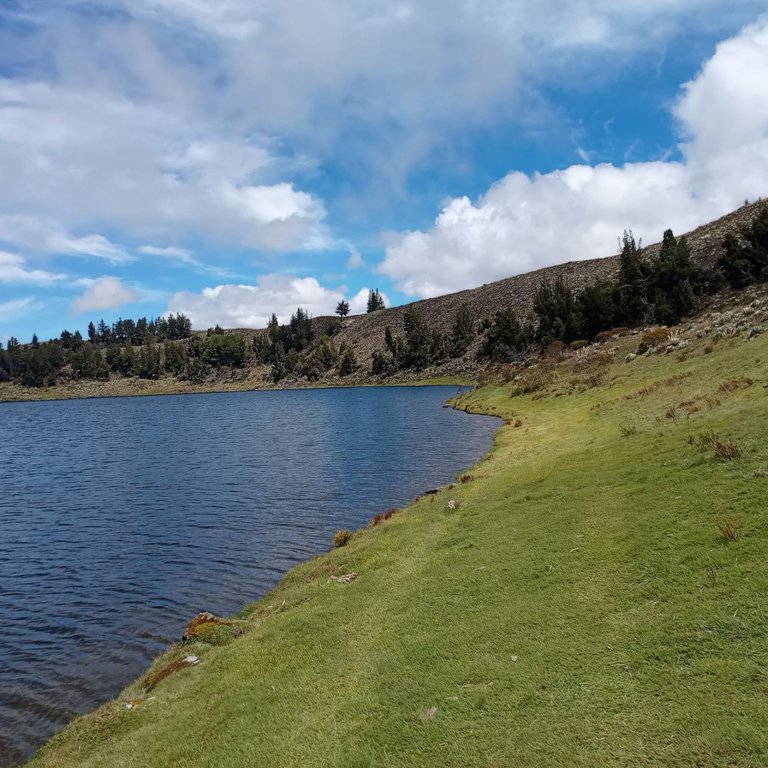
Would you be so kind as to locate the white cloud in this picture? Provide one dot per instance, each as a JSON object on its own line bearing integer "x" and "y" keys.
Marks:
{"x": 46, "y": 236}
{"x": 18, "y": 308}
{"x": 13, "y": 269}
{"x": 523, "y": 222}
{"x": 103, "y": 293}
{"x": 75, "y": 158}
{"x": 250, "y": 306}
{"x": 355, "y": 261}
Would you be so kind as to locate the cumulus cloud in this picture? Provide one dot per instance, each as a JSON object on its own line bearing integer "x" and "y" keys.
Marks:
{"x": 103, "y": 293}
{"x": 250, "y": 306}
{"x": 525, "y": 222}
{"x": 14, "y": 269}
{"x": 74, "y": 158}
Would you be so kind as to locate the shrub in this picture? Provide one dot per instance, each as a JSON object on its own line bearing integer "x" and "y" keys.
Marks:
{"x": 727, "y": 451}
{"x": 388, "y": 514}
{"x": 653, "y": 339}
{"x": 729, "y": 528}
{"x": 376, "y": 520}
{"x": 341, "y": 538}
{"x": 467, "y": 479}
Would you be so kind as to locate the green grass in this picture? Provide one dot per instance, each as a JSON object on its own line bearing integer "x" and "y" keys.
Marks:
{"x": 579, "y": 608}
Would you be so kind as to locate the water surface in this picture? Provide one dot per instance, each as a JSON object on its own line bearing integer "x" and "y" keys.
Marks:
{"x": 122, "y": 518}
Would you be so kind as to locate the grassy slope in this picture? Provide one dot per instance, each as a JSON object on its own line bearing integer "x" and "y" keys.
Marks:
{"x": 641, "y": 636}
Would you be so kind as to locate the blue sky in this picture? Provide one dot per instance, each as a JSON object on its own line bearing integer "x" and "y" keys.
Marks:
{"x": 239, "y": 158}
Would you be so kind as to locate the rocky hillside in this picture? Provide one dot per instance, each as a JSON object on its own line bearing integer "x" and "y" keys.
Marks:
{"x": 365, "y": 333}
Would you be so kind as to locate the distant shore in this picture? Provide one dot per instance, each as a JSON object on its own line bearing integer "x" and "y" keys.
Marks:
{"x": 87, "y": 390}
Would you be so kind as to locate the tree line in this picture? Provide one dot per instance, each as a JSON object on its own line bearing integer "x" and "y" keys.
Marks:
{"x": 663, "y": 290}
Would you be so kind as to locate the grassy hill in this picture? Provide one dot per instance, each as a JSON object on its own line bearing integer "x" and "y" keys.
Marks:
{"x": 591, "y": 594}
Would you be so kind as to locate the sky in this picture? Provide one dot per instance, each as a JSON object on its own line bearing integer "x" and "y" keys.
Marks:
{"x": 233, "y": 159}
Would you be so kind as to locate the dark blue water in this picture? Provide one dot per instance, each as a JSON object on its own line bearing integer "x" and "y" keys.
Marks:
{"x": 122, "y": 518}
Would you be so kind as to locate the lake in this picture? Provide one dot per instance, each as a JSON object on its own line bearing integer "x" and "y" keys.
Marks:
{"x": 120, "y": 519}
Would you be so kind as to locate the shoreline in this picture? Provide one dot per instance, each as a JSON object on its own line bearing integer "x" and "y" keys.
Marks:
{"x": 172, "y": 651}
{"x": 448, "y": 634}
{"x": 53, "y": 394}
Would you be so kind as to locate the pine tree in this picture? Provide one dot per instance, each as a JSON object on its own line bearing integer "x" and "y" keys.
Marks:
{"x": 632, "y": 300}
{"x": 342, "y": 308}
{"x": 463, "y": 331}
{"x": 375, "y": 301}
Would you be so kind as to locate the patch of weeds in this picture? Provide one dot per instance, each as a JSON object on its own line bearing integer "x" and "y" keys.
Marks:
{"x": 342, "y": 537}
{"x": 727, "y": 451}
{"x": 671, "y": 413}
{"x": 466, "y": 479}
{"x": 729, "y": 528}
{"x": 627, "y": 430}
{"x": 733, "y": 384}
{"x": 707, "y": 439}
{"x": 760, "y": 473}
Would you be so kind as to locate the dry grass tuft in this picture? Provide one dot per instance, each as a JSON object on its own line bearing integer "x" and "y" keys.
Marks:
{"x": 342, "y": 537}
{"x": 733, "y": 384}
{"x": 729, "y": 528}
{"x": 727, "y": 451}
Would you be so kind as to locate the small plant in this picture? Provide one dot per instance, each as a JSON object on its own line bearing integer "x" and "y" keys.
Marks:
{"x": 627, "y": 430}
{"x": 729, "y": 528}
{"x": 518, "y": 423}
{"x": 376, "y": 520}
{"x": 709, "y": 349}
{"x": 671, "y": 413}
{"x": 466, "y": 479}
{"x": 727, "y": 451}
{"x": 388, "y": 514}
{"x": 707, "y": 439}
{"x": 341, "y": 538}
{"x": 652, "y": 340}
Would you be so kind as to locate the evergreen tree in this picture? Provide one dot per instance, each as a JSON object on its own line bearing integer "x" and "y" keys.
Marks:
{"x": 671, "y": 278}
{"x": 505, "y": 337}
{"x": 556, "y": 311}
{"x": 342, "y": 308}
{"x": 92, "y": 335}
{"x": 375, "y": 301}
{"x": 632, "y": 301}
{"x": 418, "y": 338}
{"x": 596, "y": 309}
{"x": 299, "y": 331}
{"x": 463, "y": 331}
{"x": 347, "y": 361}
{"x": 745, "y": 260}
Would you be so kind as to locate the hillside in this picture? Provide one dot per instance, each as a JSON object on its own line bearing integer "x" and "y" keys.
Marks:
{"x": 364, "y": 334}
{"x": 591, "y": 594}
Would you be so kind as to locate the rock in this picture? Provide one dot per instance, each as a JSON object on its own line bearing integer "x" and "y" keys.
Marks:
{"x": 630, "y": 357}
{"x": 756, "y": 331}
{"x": 347, "y": 578}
